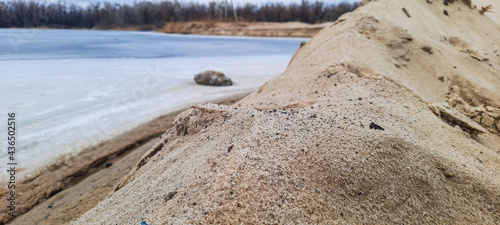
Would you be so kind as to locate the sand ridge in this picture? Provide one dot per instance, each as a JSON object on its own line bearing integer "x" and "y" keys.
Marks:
{"x": 301, "y": 150}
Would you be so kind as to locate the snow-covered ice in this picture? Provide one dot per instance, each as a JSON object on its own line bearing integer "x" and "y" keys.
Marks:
{"x": 72, "y": 89}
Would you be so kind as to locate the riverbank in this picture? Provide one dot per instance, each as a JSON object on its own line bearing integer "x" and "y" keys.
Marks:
{"x": 69, "y": 189}
{"x": 258, "y": 29}
{"x": 137, "y": 74}
{"x": 252, "y": 29}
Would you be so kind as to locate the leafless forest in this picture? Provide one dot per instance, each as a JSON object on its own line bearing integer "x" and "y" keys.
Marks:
{"x": 156, "y": 14}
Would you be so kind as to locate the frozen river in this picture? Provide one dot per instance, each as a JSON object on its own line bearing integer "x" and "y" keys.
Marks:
{"x": 71, "y": 89}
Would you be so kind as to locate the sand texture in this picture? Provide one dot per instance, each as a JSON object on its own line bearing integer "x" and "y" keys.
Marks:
{"x": 384, "y": 117}
{"x": 259, "y": 29}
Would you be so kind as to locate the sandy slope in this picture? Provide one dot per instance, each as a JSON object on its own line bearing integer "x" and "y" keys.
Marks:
{"x": 72, "y": 188}
{"x": 70, "y": 204}
{"x": 301, "y": 150}
{"x": 259, "y": 29}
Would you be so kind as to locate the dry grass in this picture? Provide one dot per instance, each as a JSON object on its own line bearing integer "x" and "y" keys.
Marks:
{"x": 485, "y": 9}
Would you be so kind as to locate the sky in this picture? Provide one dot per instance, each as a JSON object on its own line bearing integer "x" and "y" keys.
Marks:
{"x": 236, "y": 2}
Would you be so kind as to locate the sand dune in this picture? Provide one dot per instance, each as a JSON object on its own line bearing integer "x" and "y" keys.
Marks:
{"x": 382, "y": 117}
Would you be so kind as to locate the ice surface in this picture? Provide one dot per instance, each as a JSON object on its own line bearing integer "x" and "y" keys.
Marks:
{"x": 72, "y": 89}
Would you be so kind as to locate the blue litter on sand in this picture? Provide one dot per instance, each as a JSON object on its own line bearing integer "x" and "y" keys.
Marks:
{"x": 144, "y": 223}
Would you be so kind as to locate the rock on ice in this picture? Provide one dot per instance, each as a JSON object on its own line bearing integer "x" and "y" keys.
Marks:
{"x": 212, "y": 78}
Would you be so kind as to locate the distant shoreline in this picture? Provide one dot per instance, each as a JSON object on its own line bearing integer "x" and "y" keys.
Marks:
{"x": 251, "y": 29}
{"x": 255, "y": 29}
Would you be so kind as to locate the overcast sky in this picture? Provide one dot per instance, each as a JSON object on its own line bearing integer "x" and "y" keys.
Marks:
{"x": 236, "y": 2}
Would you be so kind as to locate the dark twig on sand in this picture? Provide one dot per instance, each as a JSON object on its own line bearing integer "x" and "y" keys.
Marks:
{"x": 406, "y": 12}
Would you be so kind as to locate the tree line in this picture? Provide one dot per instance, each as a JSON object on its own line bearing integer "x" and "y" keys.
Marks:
{"x": 156, "y": 14}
